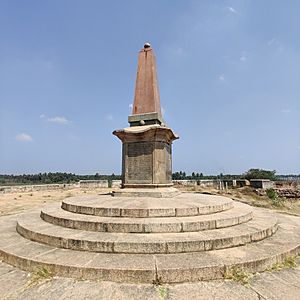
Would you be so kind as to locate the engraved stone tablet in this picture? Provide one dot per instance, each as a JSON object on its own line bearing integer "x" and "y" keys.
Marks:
{"x": 139, "y": 161}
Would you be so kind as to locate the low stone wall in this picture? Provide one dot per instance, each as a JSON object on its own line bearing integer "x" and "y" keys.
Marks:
{"x": 208, "y": 183}
{"x": 185, "y": 182}
{"x": 36, "y": 188}
{"x": 203, "y": 183}
{"x": 51, "y": 187}
{"x": 93, "y": 183}
{"x": 116, "y": 183}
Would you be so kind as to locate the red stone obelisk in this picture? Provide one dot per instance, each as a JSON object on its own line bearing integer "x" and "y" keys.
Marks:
{"x": 146, "y": 105}
{"x": 146, "y": 97}
{"x": 147, "y": 143}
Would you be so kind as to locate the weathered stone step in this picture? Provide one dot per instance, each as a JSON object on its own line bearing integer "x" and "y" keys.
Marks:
{"x": 32, "y": 227}
{"x": 142, "y": 207}
{"x": 240, "y": 213}
{"x": 148, "y": 268}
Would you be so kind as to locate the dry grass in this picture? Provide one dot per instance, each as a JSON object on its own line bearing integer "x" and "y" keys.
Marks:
{"x": 19, "y": 202}
{"x": 247, "y": 195}
{"x": 40, "y": 275}
{"x": 288, "y": 263}
{"x": 238, "y": 275}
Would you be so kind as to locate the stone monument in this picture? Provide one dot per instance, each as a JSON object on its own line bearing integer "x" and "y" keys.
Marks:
{"x": 147, "y": 143}
{"x": 148, "y": 232}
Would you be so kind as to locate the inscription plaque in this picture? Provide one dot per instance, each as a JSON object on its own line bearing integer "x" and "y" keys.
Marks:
{"x": 139, "y": 162}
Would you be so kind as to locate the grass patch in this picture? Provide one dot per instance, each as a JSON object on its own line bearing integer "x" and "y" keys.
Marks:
{"x": 289, "y": 263}
{"x": 40, "y": 275}
{"x": 237, "y": 274}
{"x": 162, "y": 292}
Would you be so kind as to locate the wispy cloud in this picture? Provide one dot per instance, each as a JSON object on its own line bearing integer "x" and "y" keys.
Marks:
{"x": 286, "y": 111}
{"x": 221, "y": 77}
{"x": 24, "y": 137}
{"x": 232, "y": 10}
{"x": 59, "y": 120}
{"x": 130, "y": 105}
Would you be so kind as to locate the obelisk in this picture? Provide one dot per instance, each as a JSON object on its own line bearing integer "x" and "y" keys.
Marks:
{"x": 147, "y": 143}
{"x": 146, "y": 104}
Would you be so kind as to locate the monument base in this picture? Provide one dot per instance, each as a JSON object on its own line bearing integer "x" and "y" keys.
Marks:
{"x": 153, "y": 191}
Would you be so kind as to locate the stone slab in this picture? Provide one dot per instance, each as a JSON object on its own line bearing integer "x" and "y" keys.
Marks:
{"x": 167, "y": 268}
{"x": 240, "y": 213}
{"x": 183, "y": 205}
{"x": 18, "y": 287}
{"x": 274, "y": 285}
{"x": 32, "y": 227}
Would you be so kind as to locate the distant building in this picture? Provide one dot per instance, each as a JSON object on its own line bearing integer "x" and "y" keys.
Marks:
{"x": 261, "y": 183}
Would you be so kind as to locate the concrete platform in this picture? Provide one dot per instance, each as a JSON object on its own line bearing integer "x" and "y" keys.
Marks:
{"x": 16, "y": 284}
{"x": 184, "y": 205}
{"x": 32, "y": 227}
{"x": 146, "y": 268}
{"x": 240, "y": 213}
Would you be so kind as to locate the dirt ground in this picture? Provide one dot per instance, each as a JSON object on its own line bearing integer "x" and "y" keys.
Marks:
{"x": 16, "y": 284}
{"x": 19, "y": 202}
{"x": 248, "y": 195}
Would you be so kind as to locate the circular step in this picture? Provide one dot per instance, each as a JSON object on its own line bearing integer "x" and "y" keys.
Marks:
{"x": 149, "y": 268}
{"x": 185, "y": 204}
{"x": 32, "y": 227}
{"x": 240, "y": 213}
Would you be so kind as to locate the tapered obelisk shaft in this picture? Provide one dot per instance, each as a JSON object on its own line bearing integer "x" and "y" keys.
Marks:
{"x": 146, "y": 97}
{"x": 146, "y": 105}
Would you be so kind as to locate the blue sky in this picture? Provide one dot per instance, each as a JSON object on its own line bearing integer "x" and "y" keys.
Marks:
{"x": 229, "y": 75}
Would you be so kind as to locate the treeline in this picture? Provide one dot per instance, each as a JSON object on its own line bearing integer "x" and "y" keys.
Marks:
{"x": 250, "y": 174}
{"x": 59, "y": 177}
{"x": 48, "y": 178}
{"x": 199, "y": 176}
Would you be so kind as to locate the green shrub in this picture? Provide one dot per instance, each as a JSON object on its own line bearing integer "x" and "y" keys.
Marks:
{"x": 271, "y": 193}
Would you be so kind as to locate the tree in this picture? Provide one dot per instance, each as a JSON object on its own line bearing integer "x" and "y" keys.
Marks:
{"x": 260, "y": 174}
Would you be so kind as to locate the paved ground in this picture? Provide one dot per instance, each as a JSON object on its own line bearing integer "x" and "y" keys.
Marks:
{"x": 17, "y": 284}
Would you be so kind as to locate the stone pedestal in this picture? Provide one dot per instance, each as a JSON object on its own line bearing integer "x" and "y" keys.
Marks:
{"x": 147, "y": 156}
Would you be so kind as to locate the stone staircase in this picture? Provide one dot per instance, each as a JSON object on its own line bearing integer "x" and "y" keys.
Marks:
{"x": 187, "y": 238}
